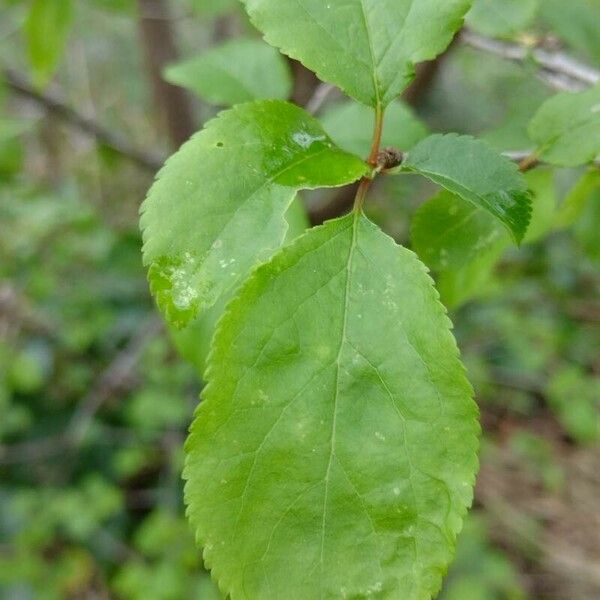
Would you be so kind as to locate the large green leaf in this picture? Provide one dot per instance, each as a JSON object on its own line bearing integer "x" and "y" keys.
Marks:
{"x": 567, "y": 128}
{"x": 47, "y": 29}
{"x": 350, "y": 125}
{"x": 472, "y": 170}
{"x": 334, "y": 453}
{"x": 366, "y": 47}
{"x": 218, "y": 205}
{"x": 234, "y": 72}
{"x": 501, "y": 18}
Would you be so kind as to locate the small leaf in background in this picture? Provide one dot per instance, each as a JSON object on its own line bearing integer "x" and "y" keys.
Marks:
{"x": 574, "y": 204}
{"x": 218, "y": 204}
{"x": 234, "y": 72}
{"x": 337, "y": 435}
{"x": 471, "y": 281}
{"x": 350, "y": 125}
{"x": 501, "y": 18}
{"x": 543, "y": 203}
{"x": 577, "y": 22}
{"x": 448, "y": 232}
{"x": 472, "y": 170}
{"x": 368, "y": 49}
{"x": 587, "y": 227}
{"x": 566, "y": 128}
{"x": 574, "y": 396}
{"x": 117, "y": 6}
{"x": 47, "y": 30}
{"x": 212, "y": 8}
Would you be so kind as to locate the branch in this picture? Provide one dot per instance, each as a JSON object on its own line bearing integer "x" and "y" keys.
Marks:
{"x": 55, "y": 104}
{"x": 160, "y": 49}
{"x": 557, "y": 68}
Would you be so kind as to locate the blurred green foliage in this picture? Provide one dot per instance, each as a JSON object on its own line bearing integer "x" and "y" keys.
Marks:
{"x": 100, "y": 514}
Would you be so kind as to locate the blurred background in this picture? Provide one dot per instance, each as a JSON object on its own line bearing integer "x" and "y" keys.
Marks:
{"x": 95, "y": 397}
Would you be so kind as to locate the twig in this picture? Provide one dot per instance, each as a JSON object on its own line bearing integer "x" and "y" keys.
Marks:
{"x": 160, "y": 49}
{"x": 55, "y": 104}
{"x": 319, "y": 97}
{"x": 559, "y": 68}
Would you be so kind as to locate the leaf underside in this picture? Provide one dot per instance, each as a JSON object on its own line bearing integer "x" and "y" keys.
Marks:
{"x": 472, "y": 170}
{"x": 218, "y": 205}
{"x": 448, "y": 232}
{"x": 368, "y": 48}
{"x": 334, "y": 453}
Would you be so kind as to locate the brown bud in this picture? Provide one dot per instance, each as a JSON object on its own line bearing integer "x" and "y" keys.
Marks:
{"x": 389, "y": 158}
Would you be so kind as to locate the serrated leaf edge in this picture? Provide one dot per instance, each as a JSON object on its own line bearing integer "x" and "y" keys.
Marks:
{"x": 223, "y": 580}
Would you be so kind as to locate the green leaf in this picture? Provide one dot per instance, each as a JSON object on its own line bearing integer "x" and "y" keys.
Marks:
{"x": 501, "y": 18}
{"x": 218, "y": 205}
{"x": 448, "y": 232}
{"x": 334, "y": 452}
{"x": 212, "y": 8}
{"x": 543, "y": 195}
{"x": 368, "y": 48}
{"x": 472, "y": 170}
{"x": 577, "y": 22}
{"x": 47, "y": 30}
{"x": 350, "y": 125}
{"x": 472, "y": 280}
{"x": 193, "y": 342}
{"x": 587, "y": 227}
{"x": 577, "y": 199}
{"x": 567, "y": 128}
{"x": 234, "y": 72}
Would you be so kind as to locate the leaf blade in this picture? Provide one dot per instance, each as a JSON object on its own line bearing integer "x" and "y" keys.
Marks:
{"x": 218, "y": 205}
{"x": 47, "y": 29}
{"x": 237, "y": 71}
{"x": 324, "y": 479}
{"x": 366, "y": 47}
{"x": 566, "y": 128}
{"x": 472, "y": 170}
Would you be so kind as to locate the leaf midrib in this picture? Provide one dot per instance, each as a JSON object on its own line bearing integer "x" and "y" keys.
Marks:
{"x": 353, "y": 244}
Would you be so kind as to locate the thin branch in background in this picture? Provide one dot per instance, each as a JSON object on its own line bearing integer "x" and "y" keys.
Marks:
{"x": 557, "y": 68}
{"x": 320, "y": 97}
{"x": 56, "y": 105}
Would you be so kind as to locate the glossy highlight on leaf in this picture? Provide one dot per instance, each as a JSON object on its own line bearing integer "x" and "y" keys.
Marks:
{"x": 218, "y": 205}
{"x": 472, "y": 170}
{"x": 334, "y": 452}
{"x": 369, "y": 48}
